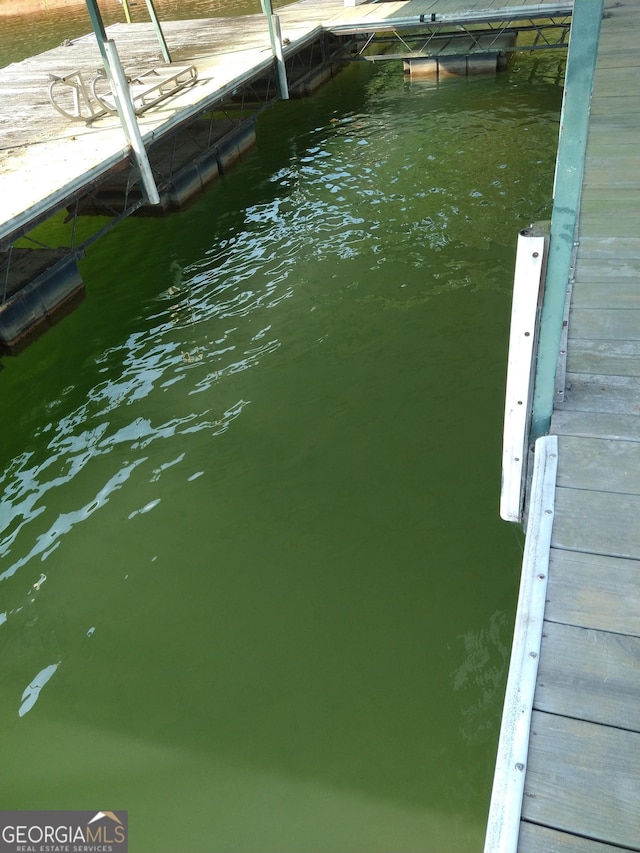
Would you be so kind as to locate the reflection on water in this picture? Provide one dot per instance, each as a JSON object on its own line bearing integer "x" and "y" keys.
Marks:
{"x": 254, "y": 584}
{"x": 481, "y": 674}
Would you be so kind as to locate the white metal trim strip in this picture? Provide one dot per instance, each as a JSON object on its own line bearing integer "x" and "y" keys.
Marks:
{"x": 520, "y": 370}
{"x": 511, "y": 763}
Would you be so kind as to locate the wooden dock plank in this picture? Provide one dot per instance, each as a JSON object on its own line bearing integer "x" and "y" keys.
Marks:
{"x": 598, "y": 246}
{"x": 624, "y": 57}
{"x": 582, "y": 778}
{"x": 595, "y": 424}
{"x": 598, "y": 464}
{"x": 540, "y": 839}
{"x": 599, "y": 270}
{"x": 609, "y": 221}
{"x": 620, "y": 271}
{"x": 589, "y": 674}
{"x": 601, "y": 145}
{"x": 609, "y": 170}
{"x": 608, "y": 358}
{"x": 609, "y": 291}
{"x": 624, "y": 201}
{"x": 594, "y": 591}
{"x": 597, "y": 522}
{"x": 590, "y": 392}
{"x": 618, "y": 82}
{"x": 601, "y": 123}
{"x": 605, "y": 103}
{"x": 605, "y": 324}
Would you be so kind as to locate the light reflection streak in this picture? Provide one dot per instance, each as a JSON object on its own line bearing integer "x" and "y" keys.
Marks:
{"x": 48, "y": 541}
{"x": 31, "y": 693}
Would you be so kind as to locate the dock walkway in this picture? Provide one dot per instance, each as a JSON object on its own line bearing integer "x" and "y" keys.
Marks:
{"x": 582, "y": 773}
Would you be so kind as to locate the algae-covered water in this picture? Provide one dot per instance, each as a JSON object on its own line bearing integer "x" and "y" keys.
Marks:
{"x": 254, "y": 587}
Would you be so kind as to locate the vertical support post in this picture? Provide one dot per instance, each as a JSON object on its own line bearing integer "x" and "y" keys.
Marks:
{"x": 574, "y": 126}
{"x": 127, "y": 10}
{"x": 275, "y": 37}
{"x": 124, "y": 105}
{"x": 98, "y": 28}
{"x": 160, "y": 35}
{"x": 128, "y": 118}
{"x": 6, "y": 278}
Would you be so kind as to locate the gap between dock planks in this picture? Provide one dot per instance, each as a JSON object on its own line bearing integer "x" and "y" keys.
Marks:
{"x": 542, "y": 839}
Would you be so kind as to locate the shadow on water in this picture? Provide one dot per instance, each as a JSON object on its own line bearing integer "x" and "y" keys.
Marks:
{"x": 255, "y": 586}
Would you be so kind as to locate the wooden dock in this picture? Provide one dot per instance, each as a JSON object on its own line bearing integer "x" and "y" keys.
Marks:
{"x": 46, "y": 160}
{"x": 581, "y": 761}
{"x": 157, "y": 160}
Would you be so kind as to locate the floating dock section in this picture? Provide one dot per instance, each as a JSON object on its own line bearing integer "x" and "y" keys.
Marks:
{"x": 45, "y": 285}
{"x": 495, "y": 56}
{"x": 192, "y": 99}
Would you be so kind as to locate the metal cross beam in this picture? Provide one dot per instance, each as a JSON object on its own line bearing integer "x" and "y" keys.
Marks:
{"x": 538, "y": 12}
{"x": 431, "y": 40}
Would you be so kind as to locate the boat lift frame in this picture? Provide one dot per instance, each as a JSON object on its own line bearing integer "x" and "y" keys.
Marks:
{"x": 440, "y": 35}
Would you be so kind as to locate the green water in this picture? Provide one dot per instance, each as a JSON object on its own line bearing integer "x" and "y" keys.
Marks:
{"x": 252, "y": 564}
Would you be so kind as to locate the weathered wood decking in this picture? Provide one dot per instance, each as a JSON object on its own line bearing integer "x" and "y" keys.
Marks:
{"x": 582, "y": 782}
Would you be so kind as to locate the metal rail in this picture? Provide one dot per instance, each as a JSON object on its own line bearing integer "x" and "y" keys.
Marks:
{"x": 412, "y": 38}
{"x": 540, "y": 12}
{"x": 528, "y": 286}
{"x": 511, "y": 762}
{"x": 574, "y": 123}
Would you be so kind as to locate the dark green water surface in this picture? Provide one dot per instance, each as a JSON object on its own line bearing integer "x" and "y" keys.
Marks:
{"x": 255, "y": 589}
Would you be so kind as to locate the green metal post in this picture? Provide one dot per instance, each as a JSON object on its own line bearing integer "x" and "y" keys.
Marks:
{"x": 574, "y": 125}
{"x": 98, "y": 28}
{"x": 158, "y": 29}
